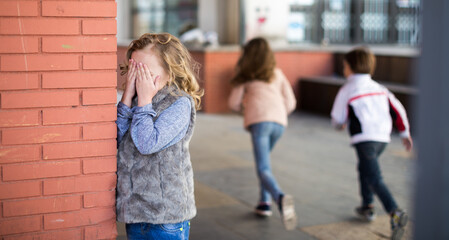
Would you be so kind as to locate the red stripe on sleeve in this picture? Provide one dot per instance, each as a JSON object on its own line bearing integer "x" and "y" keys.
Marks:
{"x": 366, "y": 95}
{"x": 399, "y": 122}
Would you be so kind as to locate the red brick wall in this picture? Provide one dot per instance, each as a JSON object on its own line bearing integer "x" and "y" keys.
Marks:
{"x": 216, "y": 72}
{"x": 57, "y": 112}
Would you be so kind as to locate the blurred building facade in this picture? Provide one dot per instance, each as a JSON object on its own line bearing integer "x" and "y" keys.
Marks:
{"x": 294, "y": 21}
{"x": 308, "y": 37}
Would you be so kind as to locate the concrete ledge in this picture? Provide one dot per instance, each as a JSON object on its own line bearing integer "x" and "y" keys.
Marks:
{"x": 338, "y": 81}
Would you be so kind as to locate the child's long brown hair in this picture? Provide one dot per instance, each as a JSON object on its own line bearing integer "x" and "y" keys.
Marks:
{"x": 176, "y": 59}
{"x": 256, "y": 63}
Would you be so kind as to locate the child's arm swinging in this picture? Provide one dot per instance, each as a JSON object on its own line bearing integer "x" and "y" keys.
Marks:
{"x": 236, "y": 97}
{"x": 400, "y": 120}
{"x": 339, "y": 113}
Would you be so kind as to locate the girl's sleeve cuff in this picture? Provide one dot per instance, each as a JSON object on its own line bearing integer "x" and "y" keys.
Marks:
{"x": 404, "y": 134}
{"x": 124, "y": 110}
{"x": 148, "y": 109}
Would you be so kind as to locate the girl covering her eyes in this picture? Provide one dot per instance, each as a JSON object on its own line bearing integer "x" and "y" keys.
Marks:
{"x": 155, "y": 121}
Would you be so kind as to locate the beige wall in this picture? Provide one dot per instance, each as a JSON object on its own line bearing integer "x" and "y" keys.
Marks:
{"x": 222, "y": 17}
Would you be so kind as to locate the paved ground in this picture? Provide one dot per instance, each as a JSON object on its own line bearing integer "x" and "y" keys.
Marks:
{"x": 312, "y": 162}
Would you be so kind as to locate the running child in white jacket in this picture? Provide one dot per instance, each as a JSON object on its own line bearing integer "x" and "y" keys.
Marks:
{"x": 369, "y": 110}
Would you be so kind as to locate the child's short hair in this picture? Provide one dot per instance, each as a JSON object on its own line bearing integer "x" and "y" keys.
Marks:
{"x": 361, "y": 60}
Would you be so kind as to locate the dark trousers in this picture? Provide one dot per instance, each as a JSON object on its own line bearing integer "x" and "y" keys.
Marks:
{"x": 370, "y": 176}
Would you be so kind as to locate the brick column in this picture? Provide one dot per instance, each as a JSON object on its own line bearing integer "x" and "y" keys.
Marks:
{"x": 57, "y": 113}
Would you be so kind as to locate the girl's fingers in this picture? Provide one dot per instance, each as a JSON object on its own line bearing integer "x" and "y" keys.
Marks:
{"x": 139, "y": 77}
{"x": 147, "y": 72}
{"x": 156, "y": 82}
{"x": 131, "y": 65}
{"x": 142, "y": 72}
{"x": 131, "y": 68}
{"x": 154, "y": 78}
{"x": 139, "y": 71}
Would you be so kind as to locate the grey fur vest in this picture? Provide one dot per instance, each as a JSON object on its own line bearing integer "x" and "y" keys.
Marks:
{"x": 156, "y": 188}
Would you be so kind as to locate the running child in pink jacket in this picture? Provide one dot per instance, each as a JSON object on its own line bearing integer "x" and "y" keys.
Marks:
{"x": 266, "y": 98}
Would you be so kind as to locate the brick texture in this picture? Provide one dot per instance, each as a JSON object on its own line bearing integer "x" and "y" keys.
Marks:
{"x": 20, "y": 225}
{"x": 99, "y": 131}
{"x": 90, "y": 79}
{"x": 57, "y": 119}
{"x": 95, "y": 27}
{"x": 80, "y": 218}
{"x": 93, "y": 183}
{"x": 20, "y": 154}
{"x": 13, "y": 44}
{"x": 80, "y": 149}
{"x": 79, "y": 115}
{"x": 79, "y": 44}
{"x": 104, "y": 61}
{"x": 19, "y": 118}
{"x": 20, "y": 190}
{"x": 18, "y": 8}
{"x": 39, "y": 26}
{"x": 95, "y": 97}
{"x": 15, "y": 63}
{"x": 42, "y": 205}
{"x": 83, "y": 9}
{"x": 102, "y": 231}
{"x": 100, "y": 165}
{"x": 39, "y": 99}
{"x": 40, "y": 135}
{"x": 21, "y": 81}
{"x": 50, "y": 235}
{"x": 41, "y": 170}
{"x": 99, "y": 199}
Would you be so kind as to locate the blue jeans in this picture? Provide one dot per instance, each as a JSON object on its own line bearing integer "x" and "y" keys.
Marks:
{"x": 264, "y": 136}
{"x": 148, "y": 231}
{"x": 370, "y": 176}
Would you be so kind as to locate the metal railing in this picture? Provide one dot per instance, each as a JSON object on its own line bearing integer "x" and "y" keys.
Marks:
{"x": 355, "y": 21}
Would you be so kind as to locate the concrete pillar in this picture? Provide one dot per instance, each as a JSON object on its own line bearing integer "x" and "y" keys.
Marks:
{"x": 432, "y": 183}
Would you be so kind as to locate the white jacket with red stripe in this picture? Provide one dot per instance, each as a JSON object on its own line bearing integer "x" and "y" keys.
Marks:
{"x": 369, "y": 109}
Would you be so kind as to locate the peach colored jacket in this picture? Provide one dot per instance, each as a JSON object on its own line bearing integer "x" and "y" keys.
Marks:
{"x": 264, "y": 102}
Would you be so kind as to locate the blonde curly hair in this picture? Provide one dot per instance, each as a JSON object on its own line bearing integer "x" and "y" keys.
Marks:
{"x": 176, "y": 61}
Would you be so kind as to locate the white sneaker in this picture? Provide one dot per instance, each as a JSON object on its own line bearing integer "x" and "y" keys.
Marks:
{"x": 366, "y": 213}
{"x": 287, "y": 209}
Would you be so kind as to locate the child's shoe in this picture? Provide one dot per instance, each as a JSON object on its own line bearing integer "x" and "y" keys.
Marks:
{"x": 366, "y": 213}
{"x": 398, "y": 221}
{"x": 287, "y": 210}
{"x": 263, "y": 210}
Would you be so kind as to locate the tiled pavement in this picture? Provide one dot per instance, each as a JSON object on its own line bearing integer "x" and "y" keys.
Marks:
{"x": 312, "y": 162}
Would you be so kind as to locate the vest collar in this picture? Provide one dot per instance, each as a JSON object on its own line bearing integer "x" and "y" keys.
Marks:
{"x": 160, "y": 95}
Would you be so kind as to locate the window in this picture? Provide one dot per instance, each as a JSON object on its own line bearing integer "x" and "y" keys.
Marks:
{"x": 162, "y": 16}
{"x": 339, "y": 21}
